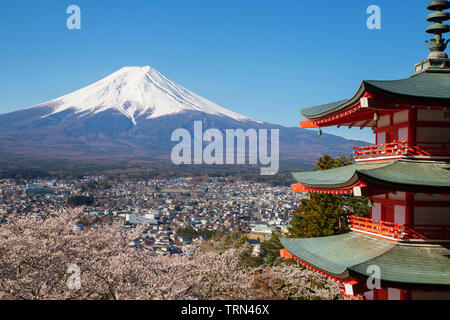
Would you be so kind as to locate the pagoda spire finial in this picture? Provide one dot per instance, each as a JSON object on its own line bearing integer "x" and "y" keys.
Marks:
{"x": 438, "y": 45}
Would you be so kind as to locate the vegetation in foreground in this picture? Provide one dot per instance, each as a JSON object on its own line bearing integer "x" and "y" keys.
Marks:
{"x": 49, "y": 259}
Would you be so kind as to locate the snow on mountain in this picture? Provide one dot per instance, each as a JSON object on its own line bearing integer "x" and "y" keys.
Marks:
{"x": 137, "y": 92}
{"x": 131, "y": 115}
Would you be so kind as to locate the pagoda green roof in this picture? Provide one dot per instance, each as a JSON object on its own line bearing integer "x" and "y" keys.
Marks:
{"x": 342, "y": 254}
{"x": 433, "y": 176}
{"x": 428, "y": 86}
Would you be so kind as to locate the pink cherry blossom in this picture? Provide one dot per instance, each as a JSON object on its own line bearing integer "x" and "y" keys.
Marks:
{"x": 35, "y": 256}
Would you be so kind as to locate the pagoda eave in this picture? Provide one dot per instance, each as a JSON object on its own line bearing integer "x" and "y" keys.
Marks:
{"x": 330, "y": 190}
{"x": 346, "y": 255}
{"x": 382, "y": 97}
{"x": 366, "y": 179}
{"x": 360, "y": 188}
{"x": 361, "y": 113}
{"x": 369, "y": 188}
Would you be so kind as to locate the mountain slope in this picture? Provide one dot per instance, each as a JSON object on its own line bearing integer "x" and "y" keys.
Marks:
{"x": 131, "y": 114}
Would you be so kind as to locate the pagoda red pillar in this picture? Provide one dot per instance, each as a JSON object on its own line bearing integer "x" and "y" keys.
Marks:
{"x": 412, "y": 119}
{"x": 409, "y": 212}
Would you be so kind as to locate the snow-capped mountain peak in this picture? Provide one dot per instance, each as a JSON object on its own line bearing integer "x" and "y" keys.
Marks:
{"x": 137, "y": 92}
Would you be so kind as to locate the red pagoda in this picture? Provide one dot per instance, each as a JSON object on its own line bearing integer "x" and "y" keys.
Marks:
{"x": 403, "y": 251}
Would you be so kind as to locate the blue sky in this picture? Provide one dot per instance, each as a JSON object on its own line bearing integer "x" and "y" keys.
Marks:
{"x": 263, "y": 59}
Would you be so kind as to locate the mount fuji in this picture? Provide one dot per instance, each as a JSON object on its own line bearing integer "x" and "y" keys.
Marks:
{"x": 131, "y": 114}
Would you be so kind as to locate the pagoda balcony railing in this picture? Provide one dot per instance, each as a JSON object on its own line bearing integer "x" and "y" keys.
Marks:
{"x": 400, "y": 232}
{"x": 402, "y": 148}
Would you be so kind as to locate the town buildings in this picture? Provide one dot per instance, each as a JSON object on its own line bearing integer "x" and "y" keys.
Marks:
{"x": 163, "y": 206}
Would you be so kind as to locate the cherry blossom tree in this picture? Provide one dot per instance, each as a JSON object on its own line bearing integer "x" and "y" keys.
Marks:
{"x": 50, "y": 259}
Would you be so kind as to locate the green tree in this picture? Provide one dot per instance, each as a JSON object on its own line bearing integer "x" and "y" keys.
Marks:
{"x": 270, "y": 249}
{"x": 78, "y": 200}
{"x": 191, "y": 232}
{"x": 326, "y": 162}
{"x": 322, "y": 215}
{"x": 187, "y": 232}
{"x": 317, "y": 216}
